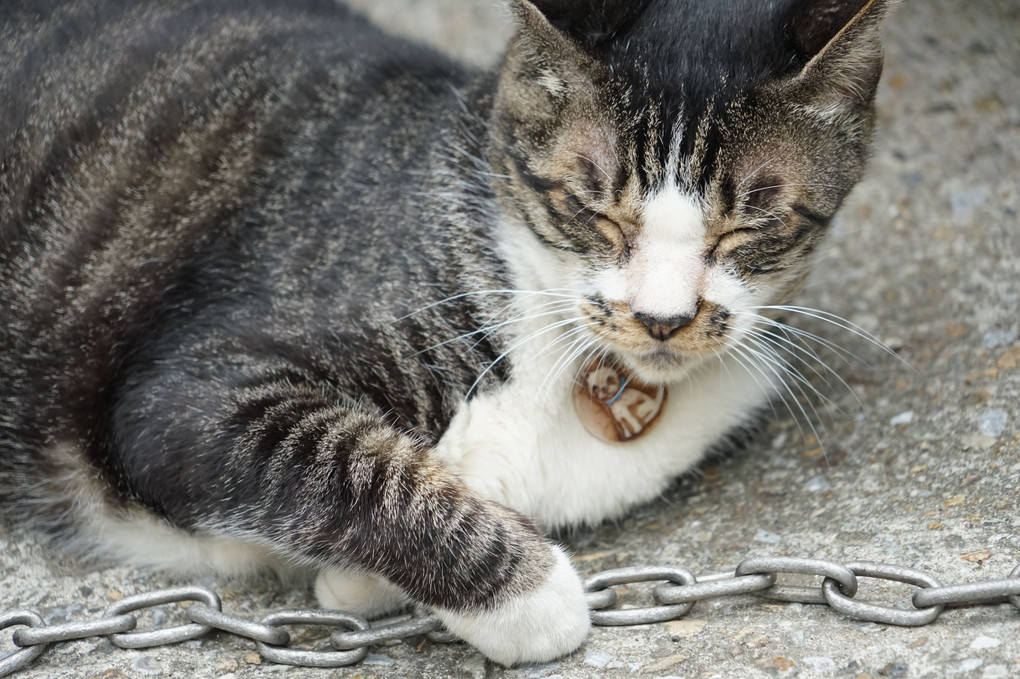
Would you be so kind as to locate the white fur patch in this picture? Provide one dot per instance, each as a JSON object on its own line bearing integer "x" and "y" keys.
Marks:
{"x": 357, "y": 592}
{"x": 535, "y": 627}
{"x": 525, "y": 447}
{"x": 137, "y": 537}
{"x": 145, "y": 540}
{"x": 664, "y": 276}
{"x": 672, "y": 217}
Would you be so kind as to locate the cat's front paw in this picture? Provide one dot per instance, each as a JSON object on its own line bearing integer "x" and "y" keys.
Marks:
{"x": 545, "y": 623}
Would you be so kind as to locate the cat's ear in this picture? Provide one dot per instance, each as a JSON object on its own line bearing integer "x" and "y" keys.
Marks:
{"x": 587, "y": 22}
{"x": 841, "y": 40}
{"x": 537, "y": 31}
{"x": 542, "y": 57}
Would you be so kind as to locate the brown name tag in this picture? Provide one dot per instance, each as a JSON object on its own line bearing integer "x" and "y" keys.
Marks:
{"x": 615, "y": 406}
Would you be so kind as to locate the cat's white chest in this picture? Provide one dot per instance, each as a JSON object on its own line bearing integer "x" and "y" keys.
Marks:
{"x": 525, "y": 446}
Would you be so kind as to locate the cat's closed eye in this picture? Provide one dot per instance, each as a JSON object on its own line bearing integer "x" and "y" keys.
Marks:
{"x": 761, "y": 228}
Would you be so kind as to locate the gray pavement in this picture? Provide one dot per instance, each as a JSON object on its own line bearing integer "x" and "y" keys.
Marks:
{"x": 918, "y": 466}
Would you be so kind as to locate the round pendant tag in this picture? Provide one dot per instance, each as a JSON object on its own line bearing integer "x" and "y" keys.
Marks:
{"x": 614, "y": 406}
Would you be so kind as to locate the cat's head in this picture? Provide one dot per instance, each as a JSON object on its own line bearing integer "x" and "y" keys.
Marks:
{"x": 679, "y": 160}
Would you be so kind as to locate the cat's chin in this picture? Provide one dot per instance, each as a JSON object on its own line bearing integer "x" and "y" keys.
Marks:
{"x": 661, "y": 366}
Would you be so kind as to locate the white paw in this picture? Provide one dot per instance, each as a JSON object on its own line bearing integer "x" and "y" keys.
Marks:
{"x": 357, "y": 592}
{"x": 539, "y": 626}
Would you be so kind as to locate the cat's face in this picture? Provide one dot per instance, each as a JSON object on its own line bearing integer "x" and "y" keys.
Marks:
{"x": 681, "y": 184}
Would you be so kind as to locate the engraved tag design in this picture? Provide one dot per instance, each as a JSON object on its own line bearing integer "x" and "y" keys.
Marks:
{"x": 615, "y": 406}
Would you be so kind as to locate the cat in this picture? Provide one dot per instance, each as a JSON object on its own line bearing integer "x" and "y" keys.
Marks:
{"x": 281, "y": 290}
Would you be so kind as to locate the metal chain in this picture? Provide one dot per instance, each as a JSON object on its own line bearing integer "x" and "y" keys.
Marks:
{"x": 677, "y": 592}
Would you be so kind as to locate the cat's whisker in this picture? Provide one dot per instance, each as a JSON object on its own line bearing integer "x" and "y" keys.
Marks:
{"x": 581, "y": 337}
{"x": 595, "y": 354}
{"x": 547, "y": 308}
{"x": 768, "y": 213}
{"x": 797, "y": 352}
{"x": 587, "y": 222}
{"x": 526, "y": 312}
{"x": 585, "y": 356}
{"x": 839, "y": 322}
{"x": 601, "y": 361}
{"x": 806, "y": 393}
{"x": 586, "y": 343}
{"x": 751, "y": 175}
{"x": 800, "y": 381}
{"x": 754, "y": 369}
{"x": 804, "y": 354}
{"x": 550, "y": 292}
{"x": 596, "y": 351}
{"x": 486, "y": 331}
{"x": 768, "y": 325}
{"x": 745, "y": 194}
{"x": 551, "y": 378}
{"x": 754, "y": 376}
{"x": 596, "y": 166}
{"x": 567, "y": 336}
{"x": 841, "y": 352}
{"x": 519, "y": 343}
{"x": 771, "y": 355}
{"x": 779, "y": 337}
{"x": 778, "y": 371}
{"x": 780, "y": 333}
{"x": 601, "y": 194}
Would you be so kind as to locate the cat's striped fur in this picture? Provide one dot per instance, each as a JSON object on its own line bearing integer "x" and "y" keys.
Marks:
{"x": 271, "y": 278}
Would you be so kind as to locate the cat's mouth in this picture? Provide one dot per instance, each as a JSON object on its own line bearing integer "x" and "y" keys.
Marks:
{"x": 659, "y": 366}
{"x": 662, "y": 359}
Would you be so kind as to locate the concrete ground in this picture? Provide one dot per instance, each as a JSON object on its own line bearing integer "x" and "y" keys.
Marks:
{"x": 917, "y": 466}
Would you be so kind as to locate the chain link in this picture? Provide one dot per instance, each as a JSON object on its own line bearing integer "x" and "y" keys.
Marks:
{"x": 302, "y": 658}
{"x": 20, "y": 658}
{"x": 675, "y": 594}
{"x": 169, "y": 635}
{"x": 635, "y": 574}
{"x": 213, "y": 617}
{"x": 765, "y": 565}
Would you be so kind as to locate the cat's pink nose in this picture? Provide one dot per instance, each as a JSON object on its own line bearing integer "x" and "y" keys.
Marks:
{"x": 663, "y": 328}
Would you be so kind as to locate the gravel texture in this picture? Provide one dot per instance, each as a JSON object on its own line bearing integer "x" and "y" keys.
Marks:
{"x": 911, "y": 461}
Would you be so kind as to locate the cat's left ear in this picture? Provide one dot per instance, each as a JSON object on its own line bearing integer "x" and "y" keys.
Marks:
{"x": 587, "y": 22}
{"x": 841, "y": 40}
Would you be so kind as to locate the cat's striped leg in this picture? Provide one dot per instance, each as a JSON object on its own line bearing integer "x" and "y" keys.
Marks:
{"x": 323, "y": 481}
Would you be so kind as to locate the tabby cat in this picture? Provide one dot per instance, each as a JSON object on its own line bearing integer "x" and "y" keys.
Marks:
{"x": 279, "y": 290}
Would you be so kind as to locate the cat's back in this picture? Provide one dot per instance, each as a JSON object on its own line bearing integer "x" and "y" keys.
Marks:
{"x": 132, "y": 133}
{"x": 64, "y": 62}
{"x": 157, "y": 156}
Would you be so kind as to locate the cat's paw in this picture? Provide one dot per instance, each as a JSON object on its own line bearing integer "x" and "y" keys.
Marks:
{"x": 539, "y": 626}
{"x": 357, "y": 592}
